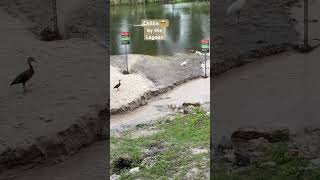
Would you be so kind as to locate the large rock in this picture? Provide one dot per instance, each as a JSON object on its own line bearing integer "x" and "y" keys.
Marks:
{"x": 195, "y": 104}
{"x": 276, "y": 135}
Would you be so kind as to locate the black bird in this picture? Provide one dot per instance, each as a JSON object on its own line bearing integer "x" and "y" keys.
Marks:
{"x": 117, "y": 85}
{"x": 25, "y": 76}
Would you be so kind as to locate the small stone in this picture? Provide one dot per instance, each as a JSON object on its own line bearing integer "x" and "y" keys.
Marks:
{"x": 199, "y": 151}
{"x": 115, "y": 177}
{"x": 134, "y": 170}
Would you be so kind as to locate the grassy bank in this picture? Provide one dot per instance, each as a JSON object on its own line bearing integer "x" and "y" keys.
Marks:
{"x": 277, "y": 163}
{"x": 119, "y": 2}
{"x": 175, "y": 147}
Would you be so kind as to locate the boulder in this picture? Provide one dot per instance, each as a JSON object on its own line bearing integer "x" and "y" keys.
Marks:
{"x": 277, "y": 135}
{"x": 195, "y": 104}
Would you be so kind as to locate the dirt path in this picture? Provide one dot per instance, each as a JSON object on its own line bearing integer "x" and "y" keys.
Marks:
{"x": 88, "y": 164}
{"x": 280, "y": 90}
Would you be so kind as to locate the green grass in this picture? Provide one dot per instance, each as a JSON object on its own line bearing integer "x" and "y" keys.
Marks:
{"x": 175, "y": 138}
{"x": 287, "y": 167}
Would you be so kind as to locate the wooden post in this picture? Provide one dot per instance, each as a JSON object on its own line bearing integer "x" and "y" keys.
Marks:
{"x": 205, "y": 64}
{"x": 306, "y": 24}
{"x": 127, "y": 59}
{"x": 55, "y": 19}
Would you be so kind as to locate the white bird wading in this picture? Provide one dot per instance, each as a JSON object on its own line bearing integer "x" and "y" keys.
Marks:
{"x": 236, "y": 7}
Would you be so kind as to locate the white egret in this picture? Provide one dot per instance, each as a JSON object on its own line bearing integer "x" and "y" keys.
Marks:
{"x": 184, "y": 62}
{"x": 236, "y": 7}
{"x": 199, "y": 53}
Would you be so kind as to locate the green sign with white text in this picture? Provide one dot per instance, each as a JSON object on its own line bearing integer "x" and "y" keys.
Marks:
{"x": 125, "y": 38}
{"x": 205, "y": 46}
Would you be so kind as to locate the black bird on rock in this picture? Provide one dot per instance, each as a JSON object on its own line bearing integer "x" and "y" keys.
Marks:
{"x": 117, "y": 86}
{"x": 25, "y": 76}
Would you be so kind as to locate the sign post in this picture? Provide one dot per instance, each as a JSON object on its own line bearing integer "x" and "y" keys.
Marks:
{"x": 205, "y": 50}
{"x": 125, "y": 40}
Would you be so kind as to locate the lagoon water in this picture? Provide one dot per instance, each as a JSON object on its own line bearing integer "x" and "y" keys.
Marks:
{"x": 189, "y": 23}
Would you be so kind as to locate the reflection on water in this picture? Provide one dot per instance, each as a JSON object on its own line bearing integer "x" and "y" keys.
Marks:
{"x": 189, "y": 23}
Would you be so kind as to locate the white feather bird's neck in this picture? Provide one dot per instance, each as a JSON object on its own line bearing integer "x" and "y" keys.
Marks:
{"x": 236, "y": 6}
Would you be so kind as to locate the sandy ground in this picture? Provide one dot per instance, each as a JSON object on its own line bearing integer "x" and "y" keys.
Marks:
{"x": 264, "y": 21}
{"x": 132, "y": 86}
{"x": 197, "y": 90}
{"x": 161, "y": 70}
{"x": 148, "y": 73}
{"x": 277, "y": 91}
{"x": 69, "y": 81}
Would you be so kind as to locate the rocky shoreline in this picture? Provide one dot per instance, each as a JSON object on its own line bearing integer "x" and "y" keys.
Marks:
{"x": 249, "y": 148}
